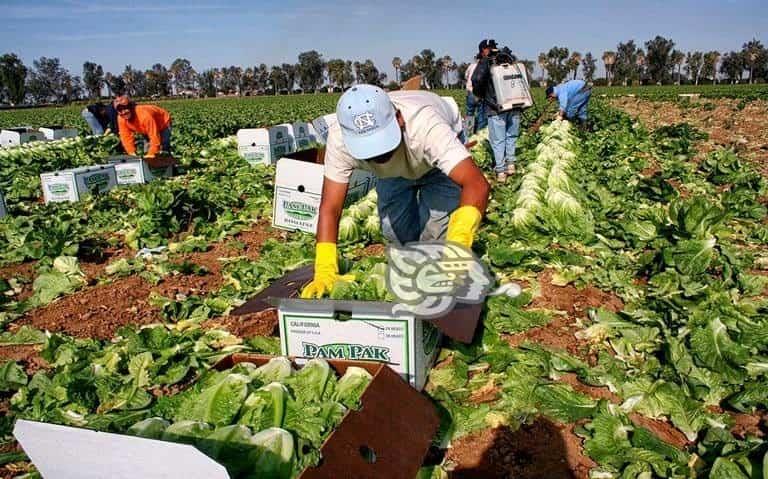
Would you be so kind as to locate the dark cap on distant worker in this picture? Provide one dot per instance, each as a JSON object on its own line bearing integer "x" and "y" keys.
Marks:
{"x": 489, "y": 43}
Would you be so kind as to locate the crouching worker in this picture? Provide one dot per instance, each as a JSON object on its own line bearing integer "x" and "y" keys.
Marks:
{"x": 148, "y": 120}
{"x": 573, "y": 99}
{"x": 428, "y": 186}
{"x": 101, "y": 118}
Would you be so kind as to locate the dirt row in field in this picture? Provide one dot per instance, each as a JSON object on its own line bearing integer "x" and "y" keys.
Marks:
{"x": 98, "y": 311}
{"x": 723, "y": 120}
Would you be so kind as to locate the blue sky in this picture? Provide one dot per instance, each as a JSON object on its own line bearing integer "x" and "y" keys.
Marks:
{"x": 219, "y": 33}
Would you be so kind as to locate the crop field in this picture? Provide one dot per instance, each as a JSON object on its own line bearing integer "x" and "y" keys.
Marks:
{"x": 638, "y": 349}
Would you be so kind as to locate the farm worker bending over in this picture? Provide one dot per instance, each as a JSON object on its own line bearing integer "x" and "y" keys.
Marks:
{"x": 573, "y": 98}
{"x": 100, "y": 118}
{"x": 149, "y": 120}
{"x": 428, "y": 186}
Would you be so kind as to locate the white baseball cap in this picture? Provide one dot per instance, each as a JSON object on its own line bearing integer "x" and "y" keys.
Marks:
{"x": 368, "y": 122}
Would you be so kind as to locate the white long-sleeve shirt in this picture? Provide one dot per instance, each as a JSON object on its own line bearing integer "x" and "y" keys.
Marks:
{"x": 468, "y": 75}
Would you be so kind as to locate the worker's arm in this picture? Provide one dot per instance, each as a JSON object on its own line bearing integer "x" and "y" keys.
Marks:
{"x": 465, "y": 220}
{"x": 562, "y": 100}
{"x": 331, "y": 205}
{"x": 474, "y": 187}
{"x": 153, "y": 132}
{"x": 126, "y": 137}
{"x": 326, "y": 263}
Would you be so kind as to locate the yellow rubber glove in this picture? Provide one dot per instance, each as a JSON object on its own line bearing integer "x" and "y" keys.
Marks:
{"x": 463, "y": 225}
{"x": 326, "y": 272}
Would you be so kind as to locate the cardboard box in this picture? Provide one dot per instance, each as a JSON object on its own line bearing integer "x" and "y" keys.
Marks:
{"x": 18, "y": 136}
{"x": 305, "y": 135}
{"x": 265, "y": 145}
{"x": 332, "y": 328}
{"x": 298, "y": 190}
{"x": 132, "y": 170}
{"x": 58, "y": 132}
{"x": 388, "y": 437}
{"x": 358, "y": 331}
{"x": 322, "y": 125}
{"x": 3, "y": 207}
{"x": 71, "y": 185}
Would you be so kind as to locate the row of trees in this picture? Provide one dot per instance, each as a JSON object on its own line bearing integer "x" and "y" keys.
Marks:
{"x": 47, "y": 81}
{"x": 659, "y": 63}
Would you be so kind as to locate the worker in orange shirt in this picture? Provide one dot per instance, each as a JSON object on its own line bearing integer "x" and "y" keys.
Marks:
{"x": 148, "y": 120}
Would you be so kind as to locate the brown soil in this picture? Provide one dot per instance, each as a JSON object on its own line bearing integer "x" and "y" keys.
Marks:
{"x": 24, "y": 272}
{"x": 14, "y": 469}
{"x": 748, "y": 425}
{"x": 560, "y": 332}
{"x": 541, "y": 450}
{"x": 98, "y": 311}
{"x": 726, "y": 125}
{"x": 374, "y": 250}
{"x": 664, "y": 430}
{"x": 28, "y": 355}
{"x": 247, "y": 325}
{"x": 591, "y": 391}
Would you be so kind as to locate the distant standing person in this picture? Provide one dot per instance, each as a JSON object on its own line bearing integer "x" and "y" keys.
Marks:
{"x": 475, "y": 107}
{"x": 101, "y": 118}
{"x": 148, "y": 120}
{"x": 503, "y": 125}
{"x": 573, "y": 98}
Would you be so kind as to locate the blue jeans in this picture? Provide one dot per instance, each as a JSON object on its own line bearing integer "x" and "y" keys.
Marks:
{"x": 90, "y": 118}
{"x": 165, "y": 141}
{"x": 503, "y": 130}
{"x": 476, "y": 109}
{"x": 416, "y": 210}
{"x": 577, "y": 106}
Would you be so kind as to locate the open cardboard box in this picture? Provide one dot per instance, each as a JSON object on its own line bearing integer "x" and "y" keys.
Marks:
{"x": 358, "y": 329}
{"x": 387, "y": 438}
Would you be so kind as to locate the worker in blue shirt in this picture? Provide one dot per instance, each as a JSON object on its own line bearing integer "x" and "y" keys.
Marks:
{"x": 573, "y": 98}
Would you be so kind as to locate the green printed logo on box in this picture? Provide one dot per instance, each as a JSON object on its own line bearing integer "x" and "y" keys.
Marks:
{"x": 354, "y": 352}
{"x": 299, "y": 210}
{"x": 126, "y": 174}
{"x": 97, "y": 180}
{"x": 58, "y": 188}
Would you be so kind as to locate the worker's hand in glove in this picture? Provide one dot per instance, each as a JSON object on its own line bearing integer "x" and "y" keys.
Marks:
{"x": 461, "y": 231}
{"x": 560, "y": 116}
{"x": 463, "y": 225}
{"x": 326, "y": 272}
{"x": 108, "y": 131}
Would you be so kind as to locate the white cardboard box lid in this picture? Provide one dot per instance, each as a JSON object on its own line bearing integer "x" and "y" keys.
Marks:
{"x": 247, "y": 136}
{"x": 330, "y": 307}
{"x": 62, "y": 452}
{"x": 292, "y": 174}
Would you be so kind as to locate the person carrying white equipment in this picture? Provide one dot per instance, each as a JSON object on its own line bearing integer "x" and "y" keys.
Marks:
{"x": 502, "y": 85}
